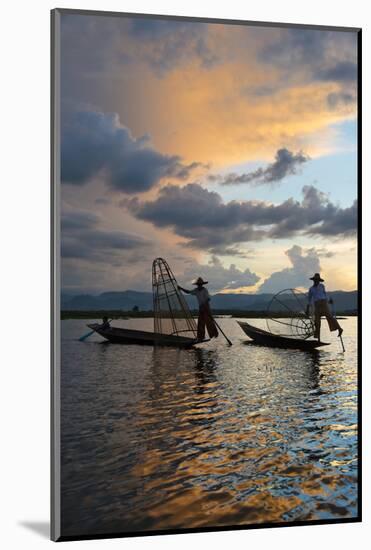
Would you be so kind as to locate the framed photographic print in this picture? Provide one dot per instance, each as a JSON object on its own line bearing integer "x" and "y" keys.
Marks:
{"x": 205, "y": 275}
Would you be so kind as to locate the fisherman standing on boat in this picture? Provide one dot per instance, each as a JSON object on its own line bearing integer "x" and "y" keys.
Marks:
{"x": 105, "y": 323}
{"x": 205, "y": 317}
{"x": 317, "y": 298}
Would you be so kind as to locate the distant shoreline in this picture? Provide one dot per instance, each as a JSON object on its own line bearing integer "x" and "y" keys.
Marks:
{"x": 119, "y": 314}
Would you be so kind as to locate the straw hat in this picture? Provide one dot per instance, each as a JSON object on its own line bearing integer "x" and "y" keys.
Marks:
{"x": 200, "y": 281}
{"x": 316, "y": 277}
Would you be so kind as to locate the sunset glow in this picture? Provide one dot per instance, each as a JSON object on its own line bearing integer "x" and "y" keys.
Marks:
{"x": 227, "y": 149}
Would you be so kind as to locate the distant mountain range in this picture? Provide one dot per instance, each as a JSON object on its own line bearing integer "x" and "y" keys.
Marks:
{"x": 129, "y": 299}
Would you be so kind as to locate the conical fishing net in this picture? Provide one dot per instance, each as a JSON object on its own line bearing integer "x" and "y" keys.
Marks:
{"x": 171, "y": 312}
{"x": 287, "y": 315}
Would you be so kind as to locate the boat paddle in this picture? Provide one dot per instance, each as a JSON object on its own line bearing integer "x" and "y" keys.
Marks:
{"x": 226, "y": 337}
{"x": 334, "y": 315}
{"x": 85, "y": 336}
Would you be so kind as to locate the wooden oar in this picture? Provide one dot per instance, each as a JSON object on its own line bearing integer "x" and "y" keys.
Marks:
{"x": 85, "y": 336}
{"x": 334, "y": 315}
{"x": 226, "y": 337}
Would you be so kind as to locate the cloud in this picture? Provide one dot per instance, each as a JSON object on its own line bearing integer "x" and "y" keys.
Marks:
{"x": 296, "y": 46}
{"x": 152, "y": 29}
{"x": 220, "y": 277}
{"x": 342, "y": 222}
{"x": 303, "y": 264}
{"x": 101, "y": 246}
{"x": 206, "y": 222}
{"x": 197, "y": 214}
{"x": 96, "y": 144}
{"x": 151, "y": 71}
{"x": 308, "y": 54}
{"x": 286, "y": 163}
{"x": 83, "y": 239}
{"x": 93, "y": 257}
{"x": 210, "y": 238}
{"x": 232, "y": 250}
{"x": 161, "y": 45}
{"x": 102, "y": 201}
{"x": 323, "y": 252}
{"x": 340, "y": 99}
{"x": 166, "y": 45}
{"x": 317, "y": 215}
{"x": 78, "y": 220}
{"x": 342, "y": 71}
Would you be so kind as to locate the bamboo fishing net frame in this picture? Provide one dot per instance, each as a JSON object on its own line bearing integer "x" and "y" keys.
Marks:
{"x": 171, "y": 312}
{"x": 286, "y": 315}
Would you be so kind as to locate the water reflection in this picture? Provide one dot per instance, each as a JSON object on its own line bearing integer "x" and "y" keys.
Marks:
{"x": 162, "y": 438}
{"x": 204, "y": 368}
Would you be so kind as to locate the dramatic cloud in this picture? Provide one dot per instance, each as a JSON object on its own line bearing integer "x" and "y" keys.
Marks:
{"x": 305, "y": 56}
{"x": 317, "y": 215}
{"x": 78, "y": 220}
{"x": 340, "y": 99}
{"x": 206, "y": 221}
{"x": 343, "y": 71}
{"x": 83, "y": 239}
{"x": 197, "y": 214}
{"x": 232, "y": 250}
{"x": 323, "y": 252}
{"x": 342, "y": 222}
{"x": 296, "y": 46}
{"x": 96, "y": 144}
{"x": 166, "y": 45}
{"x": 161, "y": 45}
{"x": 222, "y": 94}
{"x": 309, "y": 53}
{"x": 286, "y": 163}
{"x": 186, "y": 82}
{"x": 304, "y": 263}
{"x": 102, "y": 201}
{"x": 220, "y": 277}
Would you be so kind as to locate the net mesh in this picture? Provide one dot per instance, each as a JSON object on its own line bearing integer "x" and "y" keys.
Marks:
{"x": 287, "y": 315}
{"x": 171, "y": 312}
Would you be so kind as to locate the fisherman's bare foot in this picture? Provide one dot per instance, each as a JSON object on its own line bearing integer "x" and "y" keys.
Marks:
{"x": 340, "y": 331}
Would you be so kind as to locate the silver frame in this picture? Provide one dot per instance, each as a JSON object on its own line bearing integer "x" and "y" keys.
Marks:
{"x": 55, "y": 493}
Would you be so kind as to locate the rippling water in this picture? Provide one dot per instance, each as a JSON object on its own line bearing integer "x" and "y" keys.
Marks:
{"x": 213, "y": 436}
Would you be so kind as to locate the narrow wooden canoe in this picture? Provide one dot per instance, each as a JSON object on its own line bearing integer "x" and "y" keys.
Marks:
{"x": 264, "y": 338}
{"x": 118, "y": 335}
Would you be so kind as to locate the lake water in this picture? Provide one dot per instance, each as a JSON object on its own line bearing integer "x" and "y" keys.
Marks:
{"x": 212, "y": 436}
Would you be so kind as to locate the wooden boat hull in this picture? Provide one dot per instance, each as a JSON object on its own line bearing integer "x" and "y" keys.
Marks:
{"x": 264, "y": 338}
{"x": 118, "y": 335}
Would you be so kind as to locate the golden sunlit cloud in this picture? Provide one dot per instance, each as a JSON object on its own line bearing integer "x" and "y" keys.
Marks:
{"x": 208, "y": 99}
{"x": 219, "y": 116}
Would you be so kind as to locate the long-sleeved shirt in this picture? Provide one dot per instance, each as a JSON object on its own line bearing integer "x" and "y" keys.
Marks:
{"x": 317, "y": 292}
{"x": 202, "y": 295}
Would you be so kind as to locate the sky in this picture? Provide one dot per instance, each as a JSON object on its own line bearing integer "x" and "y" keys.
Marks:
{"x": 228, "y": 150}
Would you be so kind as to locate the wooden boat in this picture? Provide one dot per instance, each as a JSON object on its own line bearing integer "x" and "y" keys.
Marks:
{"x": 264, "y": 338}
{"x": 118, "y": 335}
{"x": 172, "y": 318}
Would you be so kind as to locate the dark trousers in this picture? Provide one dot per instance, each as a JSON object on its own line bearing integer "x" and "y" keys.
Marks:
{"x": 205, "y": 319}
{"x": 321, "y": 308}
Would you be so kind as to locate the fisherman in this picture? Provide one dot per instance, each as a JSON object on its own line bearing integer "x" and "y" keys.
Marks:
{"x": 105, "y": 324}
{"x": 205, "y": 317}
{"x": 317, "y": 297}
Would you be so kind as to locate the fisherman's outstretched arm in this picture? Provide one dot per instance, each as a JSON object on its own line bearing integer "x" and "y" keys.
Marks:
{"x": 184, "y": 290}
